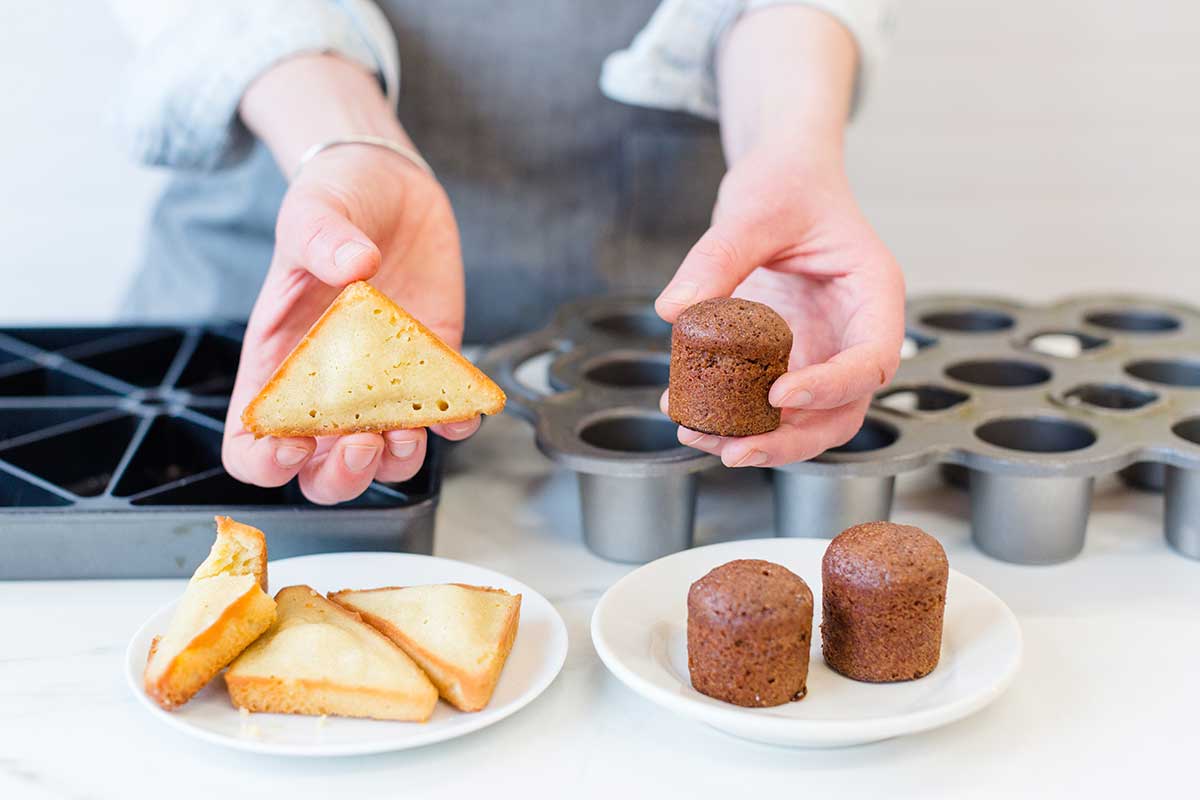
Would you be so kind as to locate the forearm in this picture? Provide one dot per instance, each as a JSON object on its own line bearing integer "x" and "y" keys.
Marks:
{"x": 786, "y": 78}
{"x": 313, "y": 98}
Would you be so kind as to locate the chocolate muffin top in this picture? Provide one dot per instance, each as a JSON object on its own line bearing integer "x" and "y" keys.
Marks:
{"x": 734, "y": 326}
{"x": 747, "y": 588}
{"x": 878, "y": 555}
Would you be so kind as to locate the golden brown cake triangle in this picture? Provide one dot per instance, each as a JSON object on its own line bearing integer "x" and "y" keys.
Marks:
{"x": 223, "y": 610}
{"x": 368, "y": 365}
{"x": 459, "y": 634}
{"x": 319, "y": 658}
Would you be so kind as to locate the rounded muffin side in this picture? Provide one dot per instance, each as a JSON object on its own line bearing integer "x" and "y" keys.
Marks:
{"x": 883, "y": 602}
{"x": 725, "y": 355}
{"x": 749, "y": 629}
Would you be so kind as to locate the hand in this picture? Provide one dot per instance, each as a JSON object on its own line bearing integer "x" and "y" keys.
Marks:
{"x": 788, "y": 234}
{"x": 354, "y": 213}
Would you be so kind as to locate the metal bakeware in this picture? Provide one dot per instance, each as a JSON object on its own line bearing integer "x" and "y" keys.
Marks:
{"x": 110, "y": 460}
{"x": 1025, "y": 405}
{"x": 608, "y": 364}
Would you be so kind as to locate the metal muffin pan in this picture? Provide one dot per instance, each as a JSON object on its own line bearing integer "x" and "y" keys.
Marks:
{"x": 110, "y": 460}
{"x": 1034, "y": 403}
{"x": 609, "y": 361}
{"x": 1026, "y": 404}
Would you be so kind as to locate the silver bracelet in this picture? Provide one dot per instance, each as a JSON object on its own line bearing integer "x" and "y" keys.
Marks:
{"x": 378, "y": 141}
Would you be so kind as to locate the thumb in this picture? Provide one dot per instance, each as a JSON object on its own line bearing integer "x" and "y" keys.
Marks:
{"x": 721, "y": 259}
{"x": 314, "y": 233}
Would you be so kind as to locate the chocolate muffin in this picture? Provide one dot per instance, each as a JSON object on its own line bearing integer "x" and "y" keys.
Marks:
{"x": 748, "y": 633}
{"x": 725, "y": 354}
{"x": 884, "y": 594}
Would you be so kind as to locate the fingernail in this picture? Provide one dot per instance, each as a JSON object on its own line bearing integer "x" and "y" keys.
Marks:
{"x": 679, "y": 293}
{"x": 347, "y": 254}
{"x": 796, "y": 398}
{"x": 358, "y": 457}
{"x": 460, "y": 427}
{"x": 289, "y": 456}
{"x": 698, "y": 440}
{"x": 754, "y": 458}
{"x": 403, "y": 449}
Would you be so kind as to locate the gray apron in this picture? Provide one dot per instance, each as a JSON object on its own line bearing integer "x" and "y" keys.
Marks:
{"x": 559, "y": 192}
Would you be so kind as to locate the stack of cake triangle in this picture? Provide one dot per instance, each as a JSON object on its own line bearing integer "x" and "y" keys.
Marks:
{"x": 380, "y": 653}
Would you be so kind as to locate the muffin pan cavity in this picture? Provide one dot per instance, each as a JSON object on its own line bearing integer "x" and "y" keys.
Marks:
{"x": 1037, "y": 434}
{"x": 110, "y": 460}
{"x": 1110, "y": 396}
{"x": 924, "y": 399}
{"x": 999, "y": 373}
{"x": 608, "y": 361}
{"x": 1063, "y": 344}
{"x": 1021, "y": 405}
{"x": 1180, "y": 372}
{"x": 633, "y": 371}
{"x": 970, "y": 320}
{"x": 631, "y": 433}
{"x": 1132, "y": 320}
{"x": 639, "y": 322}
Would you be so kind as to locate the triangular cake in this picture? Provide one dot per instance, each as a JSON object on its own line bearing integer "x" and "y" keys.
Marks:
{"x": 459, "y": 634}
{"x": 240, "y": 549}
{"x": 224, "y": 608}
{"x": 319, "y": 658}
{"x": 368, "y": 365}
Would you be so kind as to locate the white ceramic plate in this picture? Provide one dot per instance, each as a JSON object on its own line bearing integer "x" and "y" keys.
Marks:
{"x": 535, "y": 660}
{"x": 639, "y": 629}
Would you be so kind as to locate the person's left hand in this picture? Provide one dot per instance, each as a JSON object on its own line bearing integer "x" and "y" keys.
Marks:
{"x": 789, "y": 234}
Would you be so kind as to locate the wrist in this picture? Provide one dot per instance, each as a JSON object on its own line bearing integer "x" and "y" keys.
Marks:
{"x": 402, "y": 151}
{"x": 786, "y": 75}
{"x": 339, "y": 168}
{"x": 804, "y": 155}
{"x": 310, "y": 99}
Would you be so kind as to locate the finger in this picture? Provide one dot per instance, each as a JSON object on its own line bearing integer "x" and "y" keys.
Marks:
{"x": 799, "y": 437}
{"x": 314, "y": 233}
{"x": 403, "y": 454}
{"x": 664, "y": 402}
{"x": 707, "y": 442}
{"x": 345, "y": 471}
{"x": 456, "y": 431}
{"x": 716, "y": 264}
{"x": 849, "y": 376}
{"x": 269, "y": 461}
{"x": 872, "y": 339}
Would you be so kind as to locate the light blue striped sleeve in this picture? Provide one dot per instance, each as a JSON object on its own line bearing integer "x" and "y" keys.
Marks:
{"x": 178, "y": 105}
{"x": 671, "y": 63}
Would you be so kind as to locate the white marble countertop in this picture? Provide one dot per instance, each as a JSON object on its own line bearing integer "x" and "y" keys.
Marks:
{"x": 1106, "y": 704}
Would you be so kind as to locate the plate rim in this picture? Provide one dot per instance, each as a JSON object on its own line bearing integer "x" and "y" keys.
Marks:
{"x": 802, "y": 732}
{"x": 431, "y": 735}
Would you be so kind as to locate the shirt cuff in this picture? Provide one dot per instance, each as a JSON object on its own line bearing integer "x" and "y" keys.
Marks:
{"x": 671, "y": 63}
{"x": 180, "y": 102}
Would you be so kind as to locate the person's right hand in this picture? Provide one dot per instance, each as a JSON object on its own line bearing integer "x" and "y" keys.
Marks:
{"x": 355, "y": 212}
